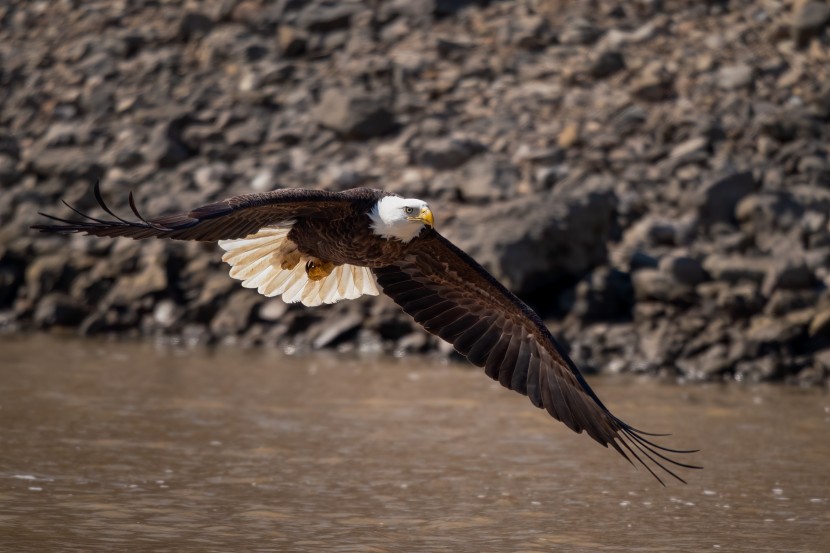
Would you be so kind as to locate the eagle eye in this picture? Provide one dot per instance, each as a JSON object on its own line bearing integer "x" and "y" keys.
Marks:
{"x": 409, "y": 210}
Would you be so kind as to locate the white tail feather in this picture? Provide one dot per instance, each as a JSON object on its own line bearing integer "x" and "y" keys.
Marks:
{"x": 257, "y": 261}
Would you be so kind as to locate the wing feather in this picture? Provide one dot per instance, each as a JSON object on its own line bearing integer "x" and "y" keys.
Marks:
{"x": 232, "y": 218}
{"x": 453, "y": 297}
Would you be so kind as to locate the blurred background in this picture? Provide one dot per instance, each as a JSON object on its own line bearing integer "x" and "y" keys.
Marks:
{"x": 651, "y": 176}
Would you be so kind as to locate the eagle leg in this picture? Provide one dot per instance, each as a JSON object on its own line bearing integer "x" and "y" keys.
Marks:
{"x": 317, "y": 269}
{"x": 289, "y": 260}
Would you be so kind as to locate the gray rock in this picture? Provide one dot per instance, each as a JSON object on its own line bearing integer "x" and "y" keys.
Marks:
{"x": 606, "y": 64}
{"x": 9, "y": 175}
{"x": 448, "y": 153}
{"x": 795, "y": 275}
{"x": 48, "y": 273}
{"x": 194, "y": 25}
{"x": 272, "y": 310}
{"x": 651, "y": 284}
{"x": 165, "y": 148}
{"x": 740, "y": 301}
{"x": 653, "y": 84}
{"x": 820, "y": 324}
{"x": 735, "y": 268}
{"x": 774, "y": 332}
{"x": 735, "y": 76}
{"x": 811, "y": 18}
{"x": 58, "y": 309}
{"x": 165, "y": 313}
{"x": 607, "y": 294}
{"x": 488, "y": 177}
{"x": 334, "y": 332}
{"x": 327, "y": 18}
{"x": 716, "y": 200}
{"x": 354, "y": 114}
{"x": 683, "y": 269}
{"x": 538, "y": 242}
{"x": 131, "y": 288}
{"x": 235, "y": 315}
{"x": 579, "y": 31}
{"x": 68, "y": 163}
{"x": 247, "y": 133}
{"x": 292, "y": 42}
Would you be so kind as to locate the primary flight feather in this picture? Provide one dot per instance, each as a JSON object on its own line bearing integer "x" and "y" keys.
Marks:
{"x": 315, "y": 247}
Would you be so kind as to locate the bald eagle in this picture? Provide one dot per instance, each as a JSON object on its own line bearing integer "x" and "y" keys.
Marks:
{"x": 315, "y": 246}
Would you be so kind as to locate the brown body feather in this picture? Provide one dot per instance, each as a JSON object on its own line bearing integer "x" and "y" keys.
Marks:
{"x": 440, "y": 286}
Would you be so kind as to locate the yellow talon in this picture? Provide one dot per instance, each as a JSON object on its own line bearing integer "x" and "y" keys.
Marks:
{"x": 318, "y": 270}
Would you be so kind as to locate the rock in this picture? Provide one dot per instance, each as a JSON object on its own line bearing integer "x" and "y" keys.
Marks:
{"x": 781, "y": 302}
{"x": 165, "y": 313}
{"x": 248, "y": 133}
{"x": 820, "y": 325}
{"x": 540, "y": 241}
{"x": 235, "y": 315}
{"x": 772, "y": 332}
{"x": 448, "y": 153}
{"x": 488, "y": 177}
{"x": 795, "y": 275}
{"x": 9, "y": 175}
{"x": 683, "y": 269}
{"x": 67, "y": 163}
{"x": 333, "y": 332}
{"x": 606, "y": 64}
{"x": 651, "y": 284}
{"x": 165, "y": 148}
{"x": 48, "y": 273}
{"x": 292, "y": 42}
{"x": 607, "y": 294}
{"x": 767, "y": 211}
{"x": 9, "y": 146}
{"x": 654, "y": 83}
{"x": 716, "y": 200}
{"x": 327, "y": 18}
{"x": 529, "y": 33}
{"x": 810, "y": 19}
{"x": 569, "y": 136}
{"x": 354, "y": 114}
{"x": 740, "y": 301}
{"x": 735, "y": 76}
{"x": 58, "y": 309}
{"x": 131, "y": 288}
{"x": 194, "y": 25}
{"x": 694, "y": 149}
{"x": 735, "y": 268}
{"x": 579, "y": 31}
{"x": 272, "y": 310}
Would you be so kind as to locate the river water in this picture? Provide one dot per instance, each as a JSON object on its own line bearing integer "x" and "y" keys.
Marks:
{"x": 109, "y": 446}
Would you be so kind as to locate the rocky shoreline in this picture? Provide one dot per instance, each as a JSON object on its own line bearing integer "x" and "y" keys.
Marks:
{"x": 652, "y": 176}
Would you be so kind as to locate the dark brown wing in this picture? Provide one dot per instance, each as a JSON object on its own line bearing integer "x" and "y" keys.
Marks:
{"x": 453, "y": 297}
{"x": 234, "y": 217}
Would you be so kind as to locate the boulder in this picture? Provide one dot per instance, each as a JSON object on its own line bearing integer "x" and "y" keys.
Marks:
{"x": 354, "y": 114}
{"x": 539, "y": 241}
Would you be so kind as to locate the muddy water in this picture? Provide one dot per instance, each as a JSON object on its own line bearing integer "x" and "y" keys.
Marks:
{"x": 125, "y": 447}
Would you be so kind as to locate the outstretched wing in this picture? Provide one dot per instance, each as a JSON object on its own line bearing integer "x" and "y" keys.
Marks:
{"x": 453, "y": 297}
{"x": 234, "y": 217}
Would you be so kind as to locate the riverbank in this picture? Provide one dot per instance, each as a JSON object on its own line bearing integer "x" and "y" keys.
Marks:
{"x": 652, "y": 177}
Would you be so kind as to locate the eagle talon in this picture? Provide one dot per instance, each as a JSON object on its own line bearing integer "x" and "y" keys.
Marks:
{"x": 318, "y": 271}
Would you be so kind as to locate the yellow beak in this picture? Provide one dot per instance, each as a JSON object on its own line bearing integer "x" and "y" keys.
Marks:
{"x": 426, "y": 217}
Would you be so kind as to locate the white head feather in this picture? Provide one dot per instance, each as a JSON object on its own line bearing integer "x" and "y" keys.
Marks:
{"x": 400, "y": 218}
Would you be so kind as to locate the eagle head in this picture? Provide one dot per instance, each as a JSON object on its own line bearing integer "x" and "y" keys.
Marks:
{"x": 400, "y": 218}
